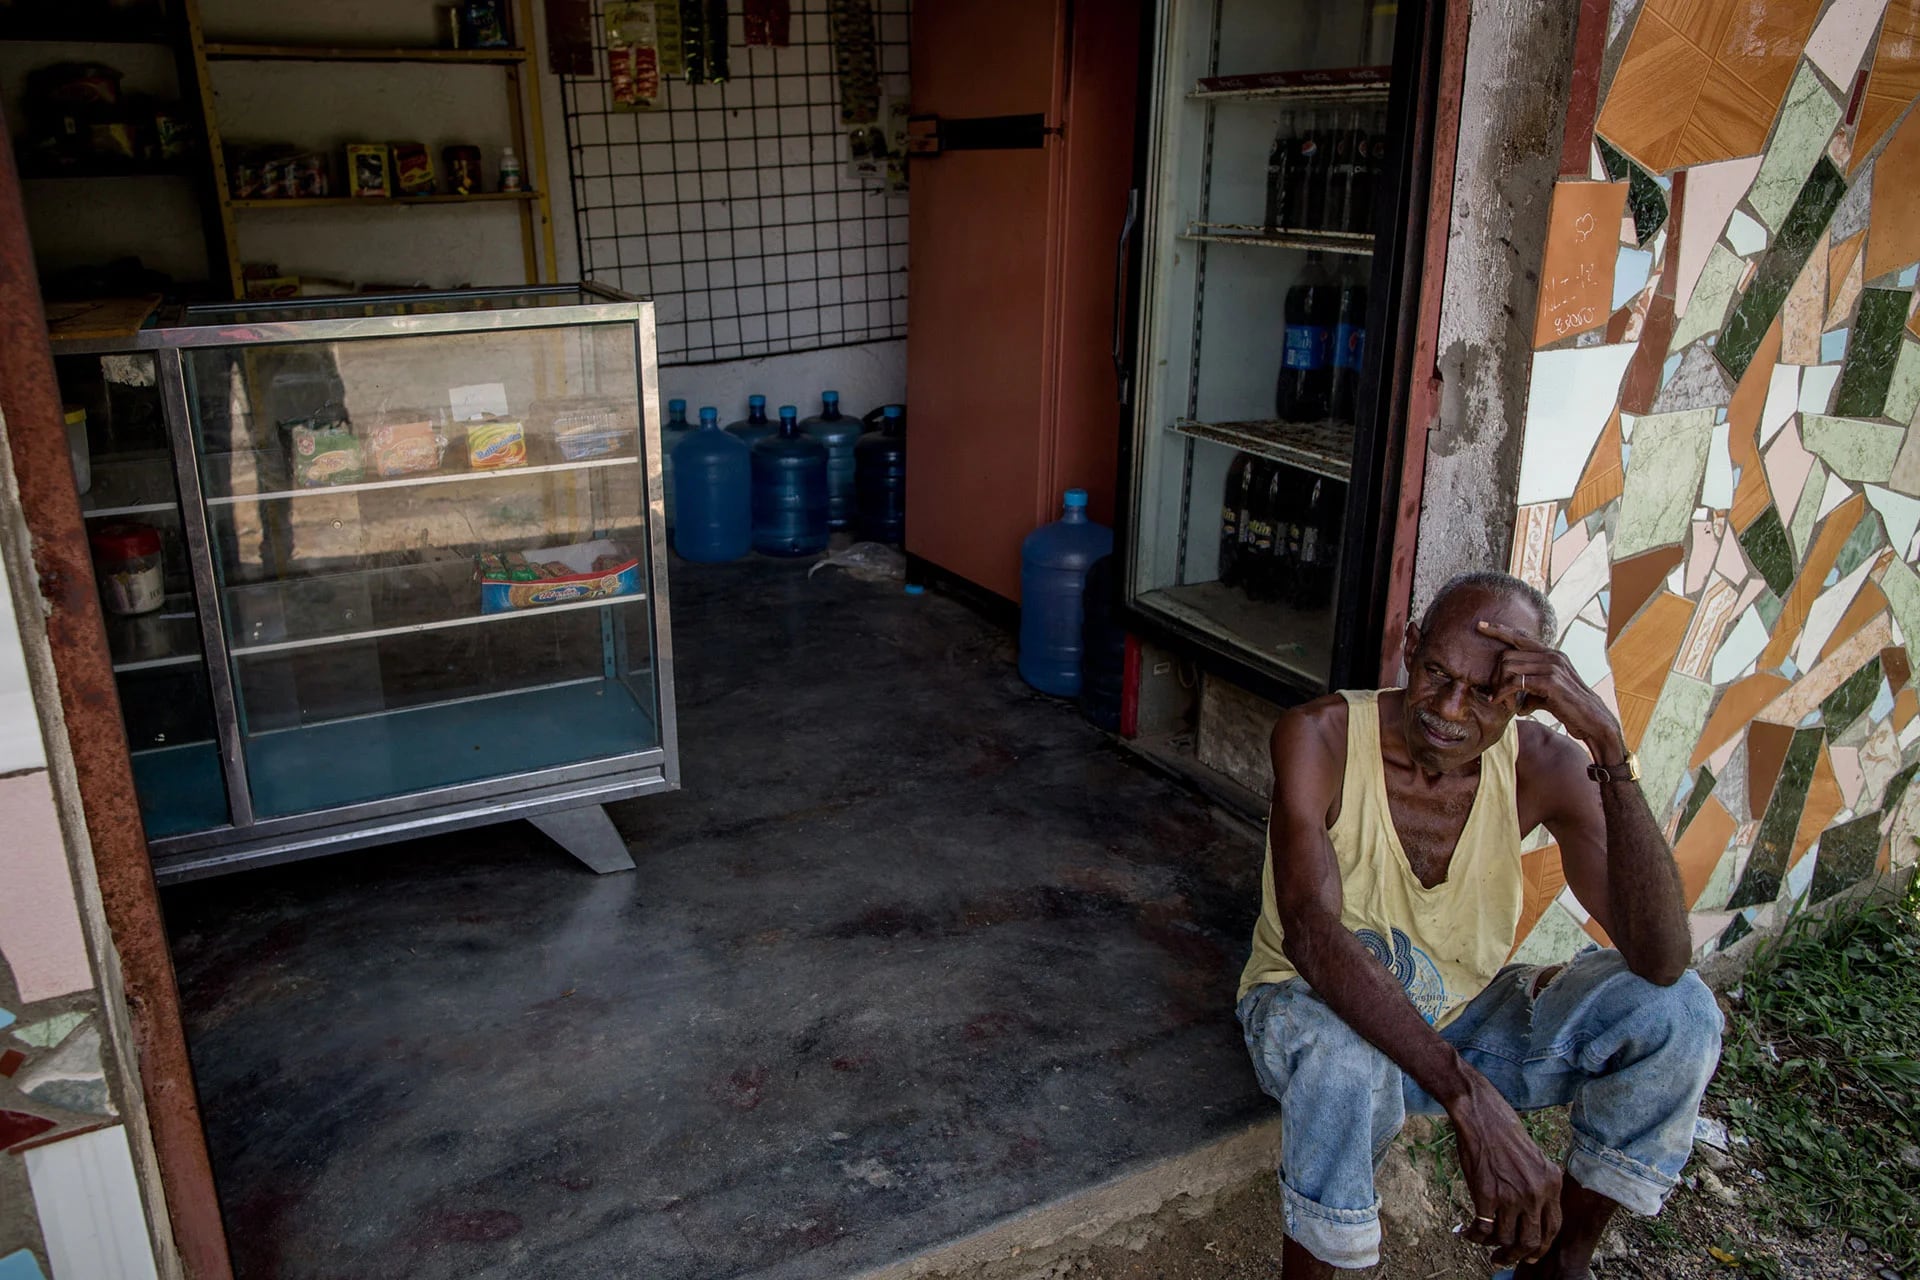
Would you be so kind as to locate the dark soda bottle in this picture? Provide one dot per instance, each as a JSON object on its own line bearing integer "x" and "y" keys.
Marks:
{"x": 1320, "y": 542}
{"x": 1279, "y": 161}
{"x": 1256, "y": 551}
{"x": 1306, "y": 364}
{"x": 1290, "y": 533}
{"x": 1358, "y": 209}
{"x": 1349, "y": 349}
{"x": 1233, "y": 519}
{"x": 1306, "y": 192}
{"x": 1339, "y": 176}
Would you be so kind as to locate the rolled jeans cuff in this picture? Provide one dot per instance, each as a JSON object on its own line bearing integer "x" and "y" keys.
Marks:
{"x": 1618, "y": 1177}
{"x": 1344, "y": 1238}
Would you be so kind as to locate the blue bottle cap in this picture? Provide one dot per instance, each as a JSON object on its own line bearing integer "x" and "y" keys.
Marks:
{"x": 756, "y": 402}
{"x": 891, "y": 411}
{"x": 709, "y": 414}
{"x": 1076, "y": 498}
{"x": 788, "y": 411}
{"x": 915, "y": 589}
{"x": 676, "y": 406}
{"x": 830, "y": 397}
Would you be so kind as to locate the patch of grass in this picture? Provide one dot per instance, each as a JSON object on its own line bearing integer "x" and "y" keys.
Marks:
{"x": 1821, "y": 1074}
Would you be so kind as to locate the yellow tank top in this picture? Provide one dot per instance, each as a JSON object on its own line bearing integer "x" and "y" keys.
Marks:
{"x": 1444, "y": 944}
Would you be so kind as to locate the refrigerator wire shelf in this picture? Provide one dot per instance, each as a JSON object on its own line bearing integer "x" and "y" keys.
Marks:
{"x": 1324, "y": 448}
{"x": 1353, "y": 242}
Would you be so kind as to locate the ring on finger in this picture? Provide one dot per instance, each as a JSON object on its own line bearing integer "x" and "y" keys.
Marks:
{"x": 1523, "y": 684}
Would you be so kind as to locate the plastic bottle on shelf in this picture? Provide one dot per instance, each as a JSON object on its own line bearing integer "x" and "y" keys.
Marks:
{"x": 1054, "y": 561}
{"x": 1279, "y": 165}
{"x": 1307, "y": 175}
{"x": 840, "y": 432}
{"x": 1306, "y": 365}
{"x": 789, "y": 491}
{"x": 1233, "y": 519}
{"x": 712, "y": 476}
{"x": 880, "y": 480}
{"x": 671, "y": 435}
{"x": 755, "y": 425}
{"x": 1320, "y": 542}
{"x": 1255, "y": 570}
{"x": 510, "y": 176}
{"x": 1349, "y": 347}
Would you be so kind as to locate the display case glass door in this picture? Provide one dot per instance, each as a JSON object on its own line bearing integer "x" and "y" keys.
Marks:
{"x": 1271, "y": 163}
{"x": 430, "y": 554}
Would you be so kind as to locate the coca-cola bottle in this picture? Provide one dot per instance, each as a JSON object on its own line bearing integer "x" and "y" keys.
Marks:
{"x": 1306, "y": 361}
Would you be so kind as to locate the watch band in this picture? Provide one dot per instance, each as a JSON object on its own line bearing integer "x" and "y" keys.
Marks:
{"x": 1627, "y": 770}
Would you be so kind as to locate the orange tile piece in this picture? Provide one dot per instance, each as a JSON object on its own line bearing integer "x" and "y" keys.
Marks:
{"x": 1807, "y": 586}
{"x": 1650, "y": 100}
{"x": 1541, "y": 881}
{"x": 1642, "y": 657}
{"x": 1868, "y": 605}
{"x": 1893, "y": 661}
{"x": 1896, "y": 61}
{"x": 1595, "y": 932}
{"x": 1839, "y": 262}
{"x": 1634, "y": 580}
{"x": 1701, "y": 23}
{"x": 1877, "y": 114}
{"x": 1906, "y": 705}
{"x": 1604, "y": 477}
{"x": 1576, "y": 272}
{"x": 1766, "y": 749}
{"x": 1737, "y": 707}
{"x": 1893, "y": 220}
{"x": 1761, "y": 45}
{"x": 1823, "y": 801}
{"x": 1729, "y": 119}
{"x": 1699, "y": 848}
{"x": 1751, "y": 495}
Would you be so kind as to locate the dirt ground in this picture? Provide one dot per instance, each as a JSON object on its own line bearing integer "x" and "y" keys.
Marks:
{"x": 1705, "y": 1233}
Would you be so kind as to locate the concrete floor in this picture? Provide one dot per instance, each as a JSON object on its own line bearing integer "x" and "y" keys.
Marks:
{"x": 914, "y": 950}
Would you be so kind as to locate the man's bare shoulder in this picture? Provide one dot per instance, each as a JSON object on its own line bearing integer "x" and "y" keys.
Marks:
{"x": 1316, "y": 727}
{"x": 1548, "y": 755}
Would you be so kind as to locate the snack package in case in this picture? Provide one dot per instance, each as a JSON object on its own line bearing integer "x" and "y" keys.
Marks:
{"x": 406, "y": 443}
{"x": 496, "y": 443}
{"x": 412, "y": 169}
{"x": 556, "y": 575}
{"x": 583, "y": 428}
{"x": 325, "y": 452}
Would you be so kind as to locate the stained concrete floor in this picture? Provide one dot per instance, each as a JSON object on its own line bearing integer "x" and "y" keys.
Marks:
{"x": 914, "y": 949}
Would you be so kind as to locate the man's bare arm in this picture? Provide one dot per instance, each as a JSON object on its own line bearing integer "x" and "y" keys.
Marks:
{"x": 1616, "y": 859}
{"x": 1515, "y": 1188}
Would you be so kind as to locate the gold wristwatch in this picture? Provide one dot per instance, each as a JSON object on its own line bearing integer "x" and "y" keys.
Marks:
{"x": 1627, "y": 770}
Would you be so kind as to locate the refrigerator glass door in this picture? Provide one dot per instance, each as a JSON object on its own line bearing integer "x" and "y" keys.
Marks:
{"x": 1268, "y": 137}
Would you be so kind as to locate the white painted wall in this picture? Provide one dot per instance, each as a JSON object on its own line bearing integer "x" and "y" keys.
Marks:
{"x": 866, "y": 376}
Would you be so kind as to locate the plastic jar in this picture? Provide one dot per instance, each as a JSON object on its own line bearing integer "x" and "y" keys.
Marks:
{"x": 127, "y": 559}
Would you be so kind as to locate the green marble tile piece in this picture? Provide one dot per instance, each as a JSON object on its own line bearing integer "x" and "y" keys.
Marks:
{"x": 1856, "y": 448}
{"x": 1735, "y": 931}
{"x": 1806, "y": 511}
{"x": 1645, "y": 199}
{"x": 1768, "y": 862}
{"x": 1871, "y": 355}
{"x": 1719, "y": 884}
{"x": 1557, "y": 937}
{"x": 1767, "y": 549}
{"x": 1805, "y": 125}
{"x": 1662, "y": 484}
{"x": 1769, "y": 607}
{"x": 1847, "y": 855}
{"x": 1867, "y": 537}
{"x": 1679, "y": 715}
{"x": 1903, "y": 389}
{"x": 1711, "y": 294}
{"x": 1702, "y": 788}
{"x": 1843, "y": 706}
{"x": 1780, "y": 266}
{"x": 49, "y": 1031}
{"x": 1902, "y": 590}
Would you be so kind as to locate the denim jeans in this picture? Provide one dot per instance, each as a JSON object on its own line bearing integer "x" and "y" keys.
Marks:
{"x": 1633, "y": 1058}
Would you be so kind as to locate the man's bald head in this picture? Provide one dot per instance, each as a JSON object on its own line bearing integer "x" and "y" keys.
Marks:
{"x": 1484, "y": 583}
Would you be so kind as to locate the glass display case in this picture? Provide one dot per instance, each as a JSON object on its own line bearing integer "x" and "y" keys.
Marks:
{"x": 1275, "y": 173}
{"x": 413, "y": 563}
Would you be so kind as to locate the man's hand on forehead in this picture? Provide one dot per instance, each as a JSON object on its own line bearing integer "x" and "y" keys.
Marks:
{"x": 1530, "y": 676}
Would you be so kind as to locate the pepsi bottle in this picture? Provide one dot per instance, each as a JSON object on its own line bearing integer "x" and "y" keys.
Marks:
{"x": 1306, "y": 360}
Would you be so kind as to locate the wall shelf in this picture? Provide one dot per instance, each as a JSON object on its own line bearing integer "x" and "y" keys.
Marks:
{"x": 232, "y": 51}
{"x": 344, "y": 202}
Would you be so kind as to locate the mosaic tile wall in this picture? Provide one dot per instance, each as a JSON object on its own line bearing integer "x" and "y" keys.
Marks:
{"x": 1720, "y": 483}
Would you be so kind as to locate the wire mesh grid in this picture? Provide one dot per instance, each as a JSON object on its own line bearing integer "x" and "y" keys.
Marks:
{"x": 732, "y": 206}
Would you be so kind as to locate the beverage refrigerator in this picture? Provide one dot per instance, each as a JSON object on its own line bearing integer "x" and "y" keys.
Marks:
{"x": 1273, "y": 276}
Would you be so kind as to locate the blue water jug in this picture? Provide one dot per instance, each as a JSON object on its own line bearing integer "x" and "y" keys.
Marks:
{"x": 755, "y": 425}
{"x": 676, "y": 430}
{"x": 789, "y": 491}
{"x": 880, "y": 480}
{"x": 839, "y": 432}
{"x": 712, "y": 473}
{"x": 1054, "y": 561}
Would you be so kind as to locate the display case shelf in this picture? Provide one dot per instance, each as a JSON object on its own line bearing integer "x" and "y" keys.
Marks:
{"x": 130, "y": 485}
{"x": 1324, "y": 448}
{"x": 1358, "y": 243}
{"x": 167, "y": 637}
{"x": 410, "y": 482}
{"x": 442, "y": 624}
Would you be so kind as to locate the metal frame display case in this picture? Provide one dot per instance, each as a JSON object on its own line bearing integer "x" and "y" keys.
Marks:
{"x": 414, "y": 568}
{"x": 1222, "y": 249}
